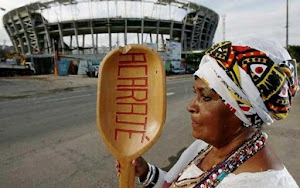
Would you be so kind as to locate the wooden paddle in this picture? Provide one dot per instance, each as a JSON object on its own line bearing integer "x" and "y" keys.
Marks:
{"x": 131, "y": 104}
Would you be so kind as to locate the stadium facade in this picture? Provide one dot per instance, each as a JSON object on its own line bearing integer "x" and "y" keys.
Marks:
{"x": 75, "y": 26}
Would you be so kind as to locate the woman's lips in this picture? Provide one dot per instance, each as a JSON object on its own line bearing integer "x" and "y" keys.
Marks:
{"x": 195, "y": 124}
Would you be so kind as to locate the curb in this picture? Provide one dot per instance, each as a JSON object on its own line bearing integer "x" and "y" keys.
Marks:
{"x": 70, "y": 82}
{"x": 177, "y": 77}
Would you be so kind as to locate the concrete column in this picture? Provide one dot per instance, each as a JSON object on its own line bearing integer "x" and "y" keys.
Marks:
{"x": 125, "y": 33}
{"x": 25, "y": 33}
{"x": 17, "y": 33}
{"x": 34, "y": 31}
{"x": 207, "y": 35}
{"x": 109, "y": 33}
{"x": 183, "y": 33}
{"x": 182, "y": 36}
{"x": 201, "y": 33}
{"x": 151, "y": 37}
{"x": 157, "y": 31}
{"x": 83, "y": 37}
{"x": 49, "y": 42}
{"x": 61, "y": 37}
{"x": 50, "y": 47}
{"x": 193, "y": 35}
{"x": 92, "y": 33}
{"x": 211, "y": 35}
{"x": 185, "y": 42}
{"x": 76, "y": 36}
{"x": 97, "y": 42}
{"x": 11, "y": 36}
{"x": 171, "y": 30}
{"x": 142, "y": 31}
{"x": 71, "y": 40}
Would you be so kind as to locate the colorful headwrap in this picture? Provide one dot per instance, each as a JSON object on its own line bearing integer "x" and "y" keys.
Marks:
{"x": 256, "y": 83}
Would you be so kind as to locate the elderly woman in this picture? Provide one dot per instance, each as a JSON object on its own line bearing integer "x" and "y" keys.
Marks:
{"x": 238, "y": 88}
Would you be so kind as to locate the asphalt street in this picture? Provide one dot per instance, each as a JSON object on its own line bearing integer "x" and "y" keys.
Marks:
{"x": 52, "y": 140}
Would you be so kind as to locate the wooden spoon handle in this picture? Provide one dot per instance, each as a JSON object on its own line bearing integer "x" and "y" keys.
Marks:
{"x": 127, "y": 176}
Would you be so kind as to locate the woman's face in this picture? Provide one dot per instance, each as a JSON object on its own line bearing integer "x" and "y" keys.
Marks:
{"x": 212, "y": 121}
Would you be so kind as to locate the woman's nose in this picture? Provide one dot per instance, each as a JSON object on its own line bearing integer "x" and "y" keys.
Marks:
{"x": 191, "y": 106}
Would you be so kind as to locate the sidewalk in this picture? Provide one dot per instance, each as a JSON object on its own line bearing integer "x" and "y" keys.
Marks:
{"x": 26, "y": 86}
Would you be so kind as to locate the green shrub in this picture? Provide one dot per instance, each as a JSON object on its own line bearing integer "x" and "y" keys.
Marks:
{"x": 295, "y": 54}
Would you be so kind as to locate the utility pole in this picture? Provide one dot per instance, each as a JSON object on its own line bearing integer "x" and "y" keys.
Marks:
{"x": 287, "y": 24}
{"x": 223, "y": 19}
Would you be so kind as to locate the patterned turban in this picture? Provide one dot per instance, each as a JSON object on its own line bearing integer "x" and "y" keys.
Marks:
{"x": 256, "y": 79}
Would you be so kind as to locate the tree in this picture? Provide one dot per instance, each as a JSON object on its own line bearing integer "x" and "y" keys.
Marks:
{"x": 194, "y": 59}
{"x": 295, "y": 54}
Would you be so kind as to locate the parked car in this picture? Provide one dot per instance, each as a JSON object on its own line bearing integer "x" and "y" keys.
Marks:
{"x": 190, "y": 71}
{"x": 178, "y": 71}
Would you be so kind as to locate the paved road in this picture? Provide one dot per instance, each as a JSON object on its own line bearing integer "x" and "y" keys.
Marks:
{"x": 52, "y": 140}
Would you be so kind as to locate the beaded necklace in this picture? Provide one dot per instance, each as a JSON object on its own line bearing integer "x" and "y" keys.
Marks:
{"x": 217, "y": 173}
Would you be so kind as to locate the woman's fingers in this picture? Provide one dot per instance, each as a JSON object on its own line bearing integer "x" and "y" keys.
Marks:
{"x": 117, "y": 165}
{"x": 141, "y": 167}
{"x": 138, "y": 162}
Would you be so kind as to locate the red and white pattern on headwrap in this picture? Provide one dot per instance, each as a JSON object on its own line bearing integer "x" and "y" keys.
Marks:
{"x": 256, "y": 79}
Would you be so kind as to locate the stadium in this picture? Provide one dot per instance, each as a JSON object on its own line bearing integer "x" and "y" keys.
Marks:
{"x": 90, "y": 28}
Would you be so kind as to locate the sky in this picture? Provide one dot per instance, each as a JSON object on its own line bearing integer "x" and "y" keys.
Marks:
{"x": 243, "y": 18}
{"x": 256, "y": 18}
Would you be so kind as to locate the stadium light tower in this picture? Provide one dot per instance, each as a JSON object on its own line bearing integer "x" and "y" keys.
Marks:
{"x": 224, "y": 20}
{"x": 287, "y": 24}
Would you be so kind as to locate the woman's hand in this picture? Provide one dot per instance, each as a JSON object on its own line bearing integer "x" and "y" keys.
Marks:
{"x": 141, "y": 168}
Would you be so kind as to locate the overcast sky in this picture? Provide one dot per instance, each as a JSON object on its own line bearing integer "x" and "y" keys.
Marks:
{"x": 244, "y": 18}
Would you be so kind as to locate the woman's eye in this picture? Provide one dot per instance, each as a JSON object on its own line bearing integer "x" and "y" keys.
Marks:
{"x": 206, "y": 98}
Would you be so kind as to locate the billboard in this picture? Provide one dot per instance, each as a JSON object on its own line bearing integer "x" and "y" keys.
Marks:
{"x": 173, "y": 50}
